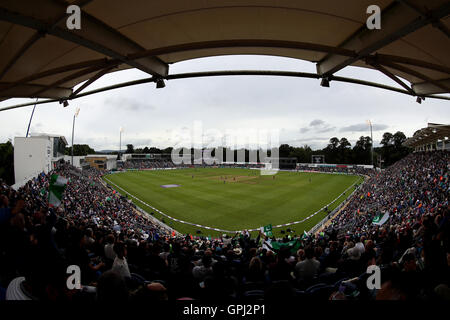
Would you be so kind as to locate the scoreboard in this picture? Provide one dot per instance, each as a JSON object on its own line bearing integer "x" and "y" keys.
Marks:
{"x": 317, "y": 158}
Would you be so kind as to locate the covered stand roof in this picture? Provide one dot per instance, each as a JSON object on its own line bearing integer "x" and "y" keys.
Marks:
{"x": 428, "y": 135}
{"x": 41, "y": 57}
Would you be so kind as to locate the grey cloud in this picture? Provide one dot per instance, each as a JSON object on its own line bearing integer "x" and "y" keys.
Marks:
{"x": 314, "y": 143}
{"x": 326, "y": 129}
{"x": 316, "y": 122}
{"x": 304, "y": 130}
{"x": 129, "y": 104}
{"x": 361, "y": 127}
{"x": 317, "y": 126}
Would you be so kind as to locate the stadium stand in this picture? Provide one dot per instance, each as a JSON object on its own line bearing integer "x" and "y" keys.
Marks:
{"x": 144, "y": 262}
{"x": 145, "y": 164}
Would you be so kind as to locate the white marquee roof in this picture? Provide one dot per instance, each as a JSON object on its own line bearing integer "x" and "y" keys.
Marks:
{"x": 41, "y": 57}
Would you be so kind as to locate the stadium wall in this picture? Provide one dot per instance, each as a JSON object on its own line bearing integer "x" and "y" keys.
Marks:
{"x": 330, "y": 165}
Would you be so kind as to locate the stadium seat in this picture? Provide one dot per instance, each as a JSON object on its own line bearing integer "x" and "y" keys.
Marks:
{"x": 2, "y": 294}
{"x": 138, "y": 278}
{"x": 301, "y": 294}
{"x": 321, "y": 292}
{"x": 247, "y": 286}
{"x": 254, "y": 295}
{"x": 338, "y": 283}
{"x": 316, "y": 286}
{"x": 158, "y": 281}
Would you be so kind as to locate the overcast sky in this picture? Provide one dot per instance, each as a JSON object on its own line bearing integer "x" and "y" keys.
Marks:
{"x": 301, "y": 110}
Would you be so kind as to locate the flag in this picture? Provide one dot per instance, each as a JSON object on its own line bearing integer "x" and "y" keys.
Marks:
{"x": 305, "y": 235}
{"x": 293, "y": 245}
{"x": 42, "y": 192}
{"x": 56, "y": 189}
{"x": 377, "y": 218}
{"x": 267, "y": 230}
{"x": 380, "y": 219}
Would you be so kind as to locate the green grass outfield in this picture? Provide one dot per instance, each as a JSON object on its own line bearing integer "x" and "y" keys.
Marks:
{"x": 246, "y": 200}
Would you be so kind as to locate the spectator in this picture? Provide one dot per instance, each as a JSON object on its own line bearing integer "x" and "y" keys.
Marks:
{"x": 120, "y": 265}
{"x": 308, "y": 268}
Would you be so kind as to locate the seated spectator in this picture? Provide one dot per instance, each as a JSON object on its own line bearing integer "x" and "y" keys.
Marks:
{"x": 111, "y": 287}
{"x": 204, "y": 268}
{"x": 120, "y": 265}
{"x": 109, "y": 247}
{"x": 308, "y": 268}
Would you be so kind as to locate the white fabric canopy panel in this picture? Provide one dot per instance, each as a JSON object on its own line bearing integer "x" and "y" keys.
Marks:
{"x": 41, "y": 57}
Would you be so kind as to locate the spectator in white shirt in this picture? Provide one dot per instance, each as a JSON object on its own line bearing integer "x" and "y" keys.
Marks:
{"x": 120, "y": 264}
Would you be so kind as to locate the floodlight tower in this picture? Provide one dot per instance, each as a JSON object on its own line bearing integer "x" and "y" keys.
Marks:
{"x": 371, "y": 142}
{"x": 120, "y": 143}
{"x": 77, "y": 111}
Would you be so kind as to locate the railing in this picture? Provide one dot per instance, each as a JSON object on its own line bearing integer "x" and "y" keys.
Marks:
{"x": 332, "y": 213}
{"x": 156, "y": 221}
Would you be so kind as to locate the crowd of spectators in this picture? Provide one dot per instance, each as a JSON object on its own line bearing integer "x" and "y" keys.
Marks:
{"x": 123, "y": 256}
{"x": 141, "y": 164}
{"x": 337, "y": 169}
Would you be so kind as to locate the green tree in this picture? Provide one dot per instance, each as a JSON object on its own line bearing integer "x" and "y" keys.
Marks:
{"x": 344, "y": 144}
{"x": 79, "y": 150}
{"x": 344, "y": 151}
{"x": 362, "y": 150}
{"x": 130, "y": 148}
{"x": 387, "y": 139}
{"x": 334, "y": 143}
{"x": 154, "y": 150}
{"x": 399, "y": 137}
{"x": 285, "y": 150}
{"x": 7, "y": 162}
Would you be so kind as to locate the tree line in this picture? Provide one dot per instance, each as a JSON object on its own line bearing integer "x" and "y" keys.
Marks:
{"x": 339, "y": 151}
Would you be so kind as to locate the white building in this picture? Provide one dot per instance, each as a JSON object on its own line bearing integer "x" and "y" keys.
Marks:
{"x": 36, "y": 154}
{"x": 77, "y": 160}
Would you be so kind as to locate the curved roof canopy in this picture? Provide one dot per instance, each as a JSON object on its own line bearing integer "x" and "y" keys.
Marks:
{"x": 41, "y": 57}
{"x": 428, "y": 135}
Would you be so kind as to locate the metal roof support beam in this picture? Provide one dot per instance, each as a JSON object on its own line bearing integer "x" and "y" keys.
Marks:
{"x": 50, "y": 72}
{"x": 96, "y": 36}
{"x": 437, "y": 23}
{"x": 392, "y": 76}
{"x": 35, "y": 37}
{"x": 387, "y": 58}
{"x": 396, "y": 23}
{"x": 445, "y": 88}
{"x": 244, "y": 43}
{"x": 225, "y": 73}
{"x": 91, "y": 80}
{"x": 381, "y": 58}
{"x": 68, "y": 78}
{"x": 425, "y": 88}
{"x": 25, "y": 91}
